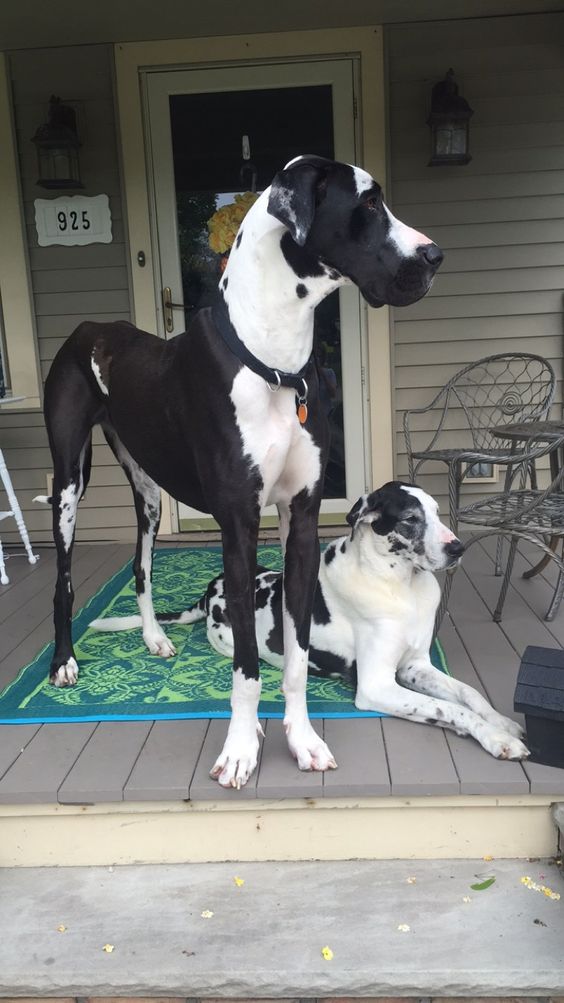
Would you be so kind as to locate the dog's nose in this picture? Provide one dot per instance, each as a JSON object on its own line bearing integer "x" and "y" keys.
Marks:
{"x": 432, "y": 254}
{"x": 455, "y": 549}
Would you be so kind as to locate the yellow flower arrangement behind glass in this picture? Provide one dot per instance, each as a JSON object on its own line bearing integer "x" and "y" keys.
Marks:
{"x": 224, "y": 223}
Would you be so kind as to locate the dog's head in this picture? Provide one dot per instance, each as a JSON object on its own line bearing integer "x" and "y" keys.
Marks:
{"x": 404, "y": 520}
{"x": 336, "y": 213}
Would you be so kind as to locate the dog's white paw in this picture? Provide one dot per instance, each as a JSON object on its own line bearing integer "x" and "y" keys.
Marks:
{"x": 65, "y": 675}
{"x": 238, "y": 760}
{"x": 158, "y": 644}
{"x": 511, "y": 727}
{"x": 310, "y": 751}
{"x": 504, "y": 746}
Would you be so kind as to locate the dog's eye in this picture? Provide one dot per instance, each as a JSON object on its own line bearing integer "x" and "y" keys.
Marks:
{"x": 373, "y": 203}
{"x": 411, "y": 518}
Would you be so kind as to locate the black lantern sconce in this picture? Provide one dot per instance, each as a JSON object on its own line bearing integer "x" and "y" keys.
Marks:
{"x": 449, "y": 124}
{"x": 57, "y": 145}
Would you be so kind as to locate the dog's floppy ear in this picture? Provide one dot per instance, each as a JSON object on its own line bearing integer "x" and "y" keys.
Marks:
{"x": 294, "y": 194}
{"x": 365, "y": 504}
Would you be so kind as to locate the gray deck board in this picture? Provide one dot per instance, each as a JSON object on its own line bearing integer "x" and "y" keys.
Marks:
{"x": 170, "y": 760}
{"x": 102, "y": 771}
{"x": 358, "y": 747}
{"x": 167, "y": 761}
{"x": 279, "y": 776}
{"x": 37, "y": 774}
{"x": 493, "y": 656}
{"x": 14, "y": 738}
{"x": 419, "y": 759}
{"x": 91, "y": 574}
{"x": 479, "y": 773}
{"x": 18, "y": 566}
{"x": 43, "y": 577}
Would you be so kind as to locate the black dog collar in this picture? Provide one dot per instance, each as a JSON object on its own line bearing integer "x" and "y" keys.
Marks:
{"x": 275, "y": 378}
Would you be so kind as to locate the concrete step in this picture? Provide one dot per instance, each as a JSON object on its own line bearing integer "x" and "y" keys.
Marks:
{"x": 395, "y": 928}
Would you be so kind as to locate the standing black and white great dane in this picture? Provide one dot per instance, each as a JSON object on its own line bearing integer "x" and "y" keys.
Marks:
{"x": 211, "y": 416}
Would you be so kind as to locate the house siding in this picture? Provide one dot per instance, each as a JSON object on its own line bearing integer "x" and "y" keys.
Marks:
{"x": 70, "y": 284}
{"x": 499, "y": 219}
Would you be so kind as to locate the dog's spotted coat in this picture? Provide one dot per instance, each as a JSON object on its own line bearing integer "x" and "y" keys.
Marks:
{"x": 373, "y": 616}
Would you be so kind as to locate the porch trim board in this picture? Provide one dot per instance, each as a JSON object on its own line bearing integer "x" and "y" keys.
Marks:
{"x": 286, "y": 830}
{"x": 366, "y": 44}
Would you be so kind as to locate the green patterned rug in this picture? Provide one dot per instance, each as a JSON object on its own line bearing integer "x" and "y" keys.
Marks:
{"x": 119, "y": 680}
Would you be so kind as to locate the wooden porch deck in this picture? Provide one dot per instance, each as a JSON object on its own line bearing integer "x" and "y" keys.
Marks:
{"x": 170, "y": 760}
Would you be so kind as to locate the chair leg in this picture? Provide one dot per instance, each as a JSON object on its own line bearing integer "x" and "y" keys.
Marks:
{"x": 443, "y": 604}
{"x": 506, "y": 578}
{"x": 558, "y": 593}
{"x": 4, "y": 580}
{"x": 498, "y": 556}
{"x": 16, "y": 510}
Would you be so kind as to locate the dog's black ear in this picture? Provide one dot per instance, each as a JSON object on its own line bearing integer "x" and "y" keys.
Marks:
{"x": 294, "y": 194}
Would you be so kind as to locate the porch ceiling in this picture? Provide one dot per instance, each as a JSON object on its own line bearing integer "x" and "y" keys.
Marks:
{"x": 34, "y": 24}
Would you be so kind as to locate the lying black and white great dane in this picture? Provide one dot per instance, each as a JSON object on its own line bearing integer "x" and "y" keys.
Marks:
{"x": 211, "y": 416}
{"x": 373, "y": 618}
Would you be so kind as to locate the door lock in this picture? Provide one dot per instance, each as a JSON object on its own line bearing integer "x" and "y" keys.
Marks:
{"x": 168, "y": 307}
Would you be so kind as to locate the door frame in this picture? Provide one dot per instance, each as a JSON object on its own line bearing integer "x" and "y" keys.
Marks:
{"x": 366, "y": 44}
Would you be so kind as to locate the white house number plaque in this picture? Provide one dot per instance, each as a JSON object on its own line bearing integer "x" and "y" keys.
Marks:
{"x": 73, "y": 219}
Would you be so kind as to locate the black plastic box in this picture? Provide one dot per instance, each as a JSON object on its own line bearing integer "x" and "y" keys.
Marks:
{"x": 539, "y": 695}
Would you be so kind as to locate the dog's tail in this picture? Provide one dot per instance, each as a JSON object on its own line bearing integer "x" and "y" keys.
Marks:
{"x": 196, "y": 612}
{"x": 43, "y": 499}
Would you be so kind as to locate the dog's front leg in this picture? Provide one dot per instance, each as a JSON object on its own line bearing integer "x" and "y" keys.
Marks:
{"x": 301, "y": 566}
{"x": 239, "y": 756}
{"x": 378, "y": 649}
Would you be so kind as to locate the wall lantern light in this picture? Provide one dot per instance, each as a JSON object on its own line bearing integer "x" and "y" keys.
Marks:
{"x": 449, "y": 124}
{"x": 57, "y": 145}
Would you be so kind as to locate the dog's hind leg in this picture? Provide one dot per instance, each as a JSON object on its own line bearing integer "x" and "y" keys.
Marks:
{"x": 70, "y": 413}
{"x": 147, "y": 500}
{"x": 301, "y": 566}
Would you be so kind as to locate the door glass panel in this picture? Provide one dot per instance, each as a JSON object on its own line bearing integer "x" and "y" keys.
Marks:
{"x": 207, "y": 130}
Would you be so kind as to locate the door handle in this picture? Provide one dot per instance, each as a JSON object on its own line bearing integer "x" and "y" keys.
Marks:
{"x": 168, "y": 307}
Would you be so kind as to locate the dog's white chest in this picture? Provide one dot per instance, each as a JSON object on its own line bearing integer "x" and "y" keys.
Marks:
{"x": 273, "y": 439}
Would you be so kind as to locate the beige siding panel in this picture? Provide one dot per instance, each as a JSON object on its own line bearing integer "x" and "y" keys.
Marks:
{"x": 433, "y": 353}
{"x": 531, "y": 326}
{"x": 407, "y": 160}
{"x": 61, "y": 327}
{"x": 497, "y": 234}
{"x": 65, "y": 258}
{"x": 485, "y": 210}
{"x": 529, "y": 256}
{"x": 79, "y": 280}
{"x": 95, "y": 301}
{"x": 462, "y": 188}
{"x": 484, "y": 305}
{"x": 70, "y": 284}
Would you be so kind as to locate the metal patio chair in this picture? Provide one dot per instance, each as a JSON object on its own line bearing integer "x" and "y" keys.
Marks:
{"x": 510, "y": 386}
{"x": 525, "y": 514}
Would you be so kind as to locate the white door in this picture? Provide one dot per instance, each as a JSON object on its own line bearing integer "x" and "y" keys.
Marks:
{"x": 199, "y": 123}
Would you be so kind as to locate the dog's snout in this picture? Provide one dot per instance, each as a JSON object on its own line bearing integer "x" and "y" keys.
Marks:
{"x": 432, "y": 254}
{"x": 454, "y": 549}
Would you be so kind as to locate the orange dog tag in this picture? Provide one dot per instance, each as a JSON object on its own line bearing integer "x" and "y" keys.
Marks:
{"x": 302, "y": 413}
